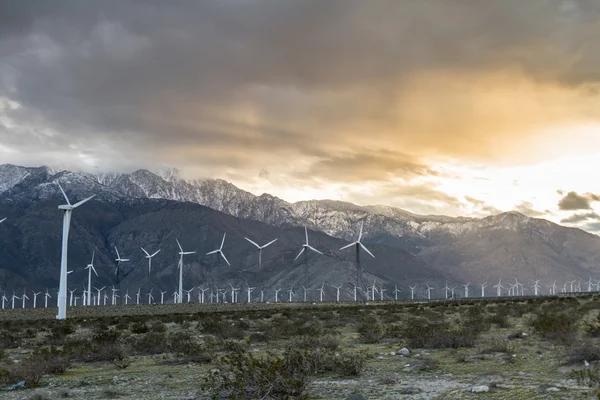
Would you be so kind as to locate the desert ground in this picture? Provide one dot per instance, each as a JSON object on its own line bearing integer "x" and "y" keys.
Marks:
{"x": 536, "y": 348}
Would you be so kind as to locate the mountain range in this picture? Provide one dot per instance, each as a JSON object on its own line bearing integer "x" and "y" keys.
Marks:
{"x": 152, "y": 209}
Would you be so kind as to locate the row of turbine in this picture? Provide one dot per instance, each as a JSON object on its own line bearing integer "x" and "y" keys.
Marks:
{"x": 68, "y": 210}
{"x": 373, "y": 292}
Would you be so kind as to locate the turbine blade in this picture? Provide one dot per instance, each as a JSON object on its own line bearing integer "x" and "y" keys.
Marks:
{"x": 348, "y": 245}
{"x": 223, "y": 241}
{"x": 189, "y": 252}
{"x": 83, "y": 201}
{"x": 144, "y": 250}
{"x": 94, "y": 269}
{"x": 93, "y": 254}
{"x": 179, "y": 244}
{"x": 254, "y": 243}
{"x": 212, "y": 252}
{"x": 270, "y": 243}
{"x": 155, "y": 253}
{"x": 224, "y": 258}
{"x": 360, "y": 233}
{"x": 2, "y": 220}
{"x": 365, "y": 249}
{"x": 64, "y": 194}
{"x": 315, "y": 250}
{"x": 306, "y": 234}
{"x": 299, "y": 254}
{"x": 117, "y": 250}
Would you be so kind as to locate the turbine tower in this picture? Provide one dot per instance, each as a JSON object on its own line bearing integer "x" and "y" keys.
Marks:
{"x": 305, "y": 248}
{"x": 149, "y": 257}
{"x": 90, "y": 268}
{"x": 260, "y": 249}
{"x": 219, "y": 253}
{"x": 62, "y": 289}
{"x": 181, "y": 254}
{"x": 358, "y": 244}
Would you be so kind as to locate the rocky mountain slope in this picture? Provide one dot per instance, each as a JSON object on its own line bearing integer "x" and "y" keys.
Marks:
{"x": 470, "y": 249}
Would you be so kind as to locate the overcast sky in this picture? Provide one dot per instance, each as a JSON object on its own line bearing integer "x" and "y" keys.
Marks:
{"x": 435, "y": 106}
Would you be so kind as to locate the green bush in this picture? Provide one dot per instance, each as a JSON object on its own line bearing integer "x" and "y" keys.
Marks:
{"x": 371, "y": 330}
{"x": 559, "y": 328}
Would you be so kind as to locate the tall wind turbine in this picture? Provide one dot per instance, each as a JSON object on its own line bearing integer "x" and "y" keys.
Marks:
{"x": 260, "y": 249}
{"x": 119, "y": 260}
{"x": 90, "y": 268}
{"x": 149, "y": 257}
{"x": 305, "y": 248}
{"x": 62, "y": 289}
{"x": 358, "y": 244}
{"x": 181, "y": 254}
{"x": 219, "y": 252}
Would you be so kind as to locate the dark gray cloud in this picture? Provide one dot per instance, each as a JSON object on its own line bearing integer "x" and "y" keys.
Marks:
{"x": 574, "y": 201}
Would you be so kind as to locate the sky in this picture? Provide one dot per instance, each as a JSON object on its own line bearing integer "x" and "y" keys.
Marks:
{"x": 446, "y": 107}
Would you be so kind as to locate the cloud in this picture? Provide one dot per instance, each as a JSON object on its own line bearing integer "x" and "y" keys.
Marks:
{"x": 337, "y": 92}
{"x": 574, "y": 201}
{"x": 527, "y": 208}
{"x": 576, "y": 218}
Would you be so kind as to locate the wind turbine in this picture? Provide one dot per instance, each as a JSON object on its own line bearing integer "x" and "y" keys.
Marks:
{"x": 13, "y": 298}
{"x": 446, "y": 289}
{"x": 119, "y": 260}
{"x": 127, "y": 297}
{"x": 277, "y": 294}
{"x": 162, "y": 296}
{"x": 260, "y": 249}
{"x": 90, "y": 268}
{"x": 467, "y": 289}
{"x": 536, "y": 287}
{"x": 138, "y": 295}
{"x": 99, "y": 290}
{"x": 358, "y": 244}
{"x": 337, "y": 295}
{"x": 305, "y": 248}
{"x": 4, "y": 299}
{"x": 412, "y": 292}
{"x": 483, "y": 286}
{"x": 149, "y": 257}
{"x": 429, "y": 289}
{"x": 71, "y": 297}
{"x": 305, "y": 292}
{"x": 219, "y": 252}
{"x": 24, "y": 298}
{"x": 201, "y": 294}
{"x": 35, "y": 295}
{"x": 395, "y": 292}
{"x": 249, "y": 291}
{"x": 291, "y": 292}
{"x": 150, "y": 297}
{"x": 321, "y": 290}
{"x": 499, "y": 288}
{"x": 181, "y": 254}
{"x": 46, "y": 296}
{"x": 62, "y": 291}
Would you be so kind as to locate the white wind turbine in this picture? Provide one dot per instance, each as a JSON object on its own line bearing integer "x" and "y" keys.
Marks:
{"x": 138, "y": 295}
{"x": 99, "y": 295}
{"x": 382, "y": 290}
{"x": 181, "y": 254}
{"x": 119, "y": 260}
{"x": 24, "y": 298}
{"x": 305, "y": 248}
{"x": 71, "y": 297}
{"x": 429, "y": 289}
{"x": 291, "y": 293}
{"x": 189, "y": 294}
{"x": 412, "y": 292}
{"x": 260, "y": 249}
{"x": 589, "y": 284}
{"x": 322, "y": 291}
{"x": 150, "y": 297}
{"x": 355, "y": 292}
{"x": 249, "y": 293}
{"x": 127, "y": 297}
{"x": 305, "y": 289}
{"x": 46, "y": 296}
{"x": 499, "y": 288}
{"x": 90, "y": 268}
{"x": 13, "y": 298}
{"x": 467, "y": 289}
{"x": 395, "y": 292}
{"x": 62, "y": 291}
{"x": 483, "y": 286}
{"x": 536, "y": 287}
{"x": 277, "y": 294}
{"x": 337, "y": 294}
{"x": 358, "y": 244}
{"x": 162, "y": 296}
{"x": 35, "y": 295}
{"x": 149, "y": 257}
{"x": 4, "y": 299}
{"x": 219, "y": 252}
{"x": 446, "y": 289}
{"x": 201, "y": 294}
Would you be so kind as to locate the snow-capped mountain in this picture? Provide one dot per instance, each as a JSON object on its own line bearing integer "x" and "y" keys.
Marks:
{"x": 504, "y": 245}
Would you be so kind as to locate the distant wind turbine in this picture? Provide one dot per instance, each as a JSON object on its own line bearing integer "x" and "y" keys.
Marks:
{"x": 62, "y": 290}
{"x": 260, "y": 249}
{"x": 181, "y": 254}
{"x": 219, "y": 252}
{"x": 305, "y": 248}
{"x": 90, "y": 268}
{"x": 358, "y": 244}
{"x": 149, "y": 257}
